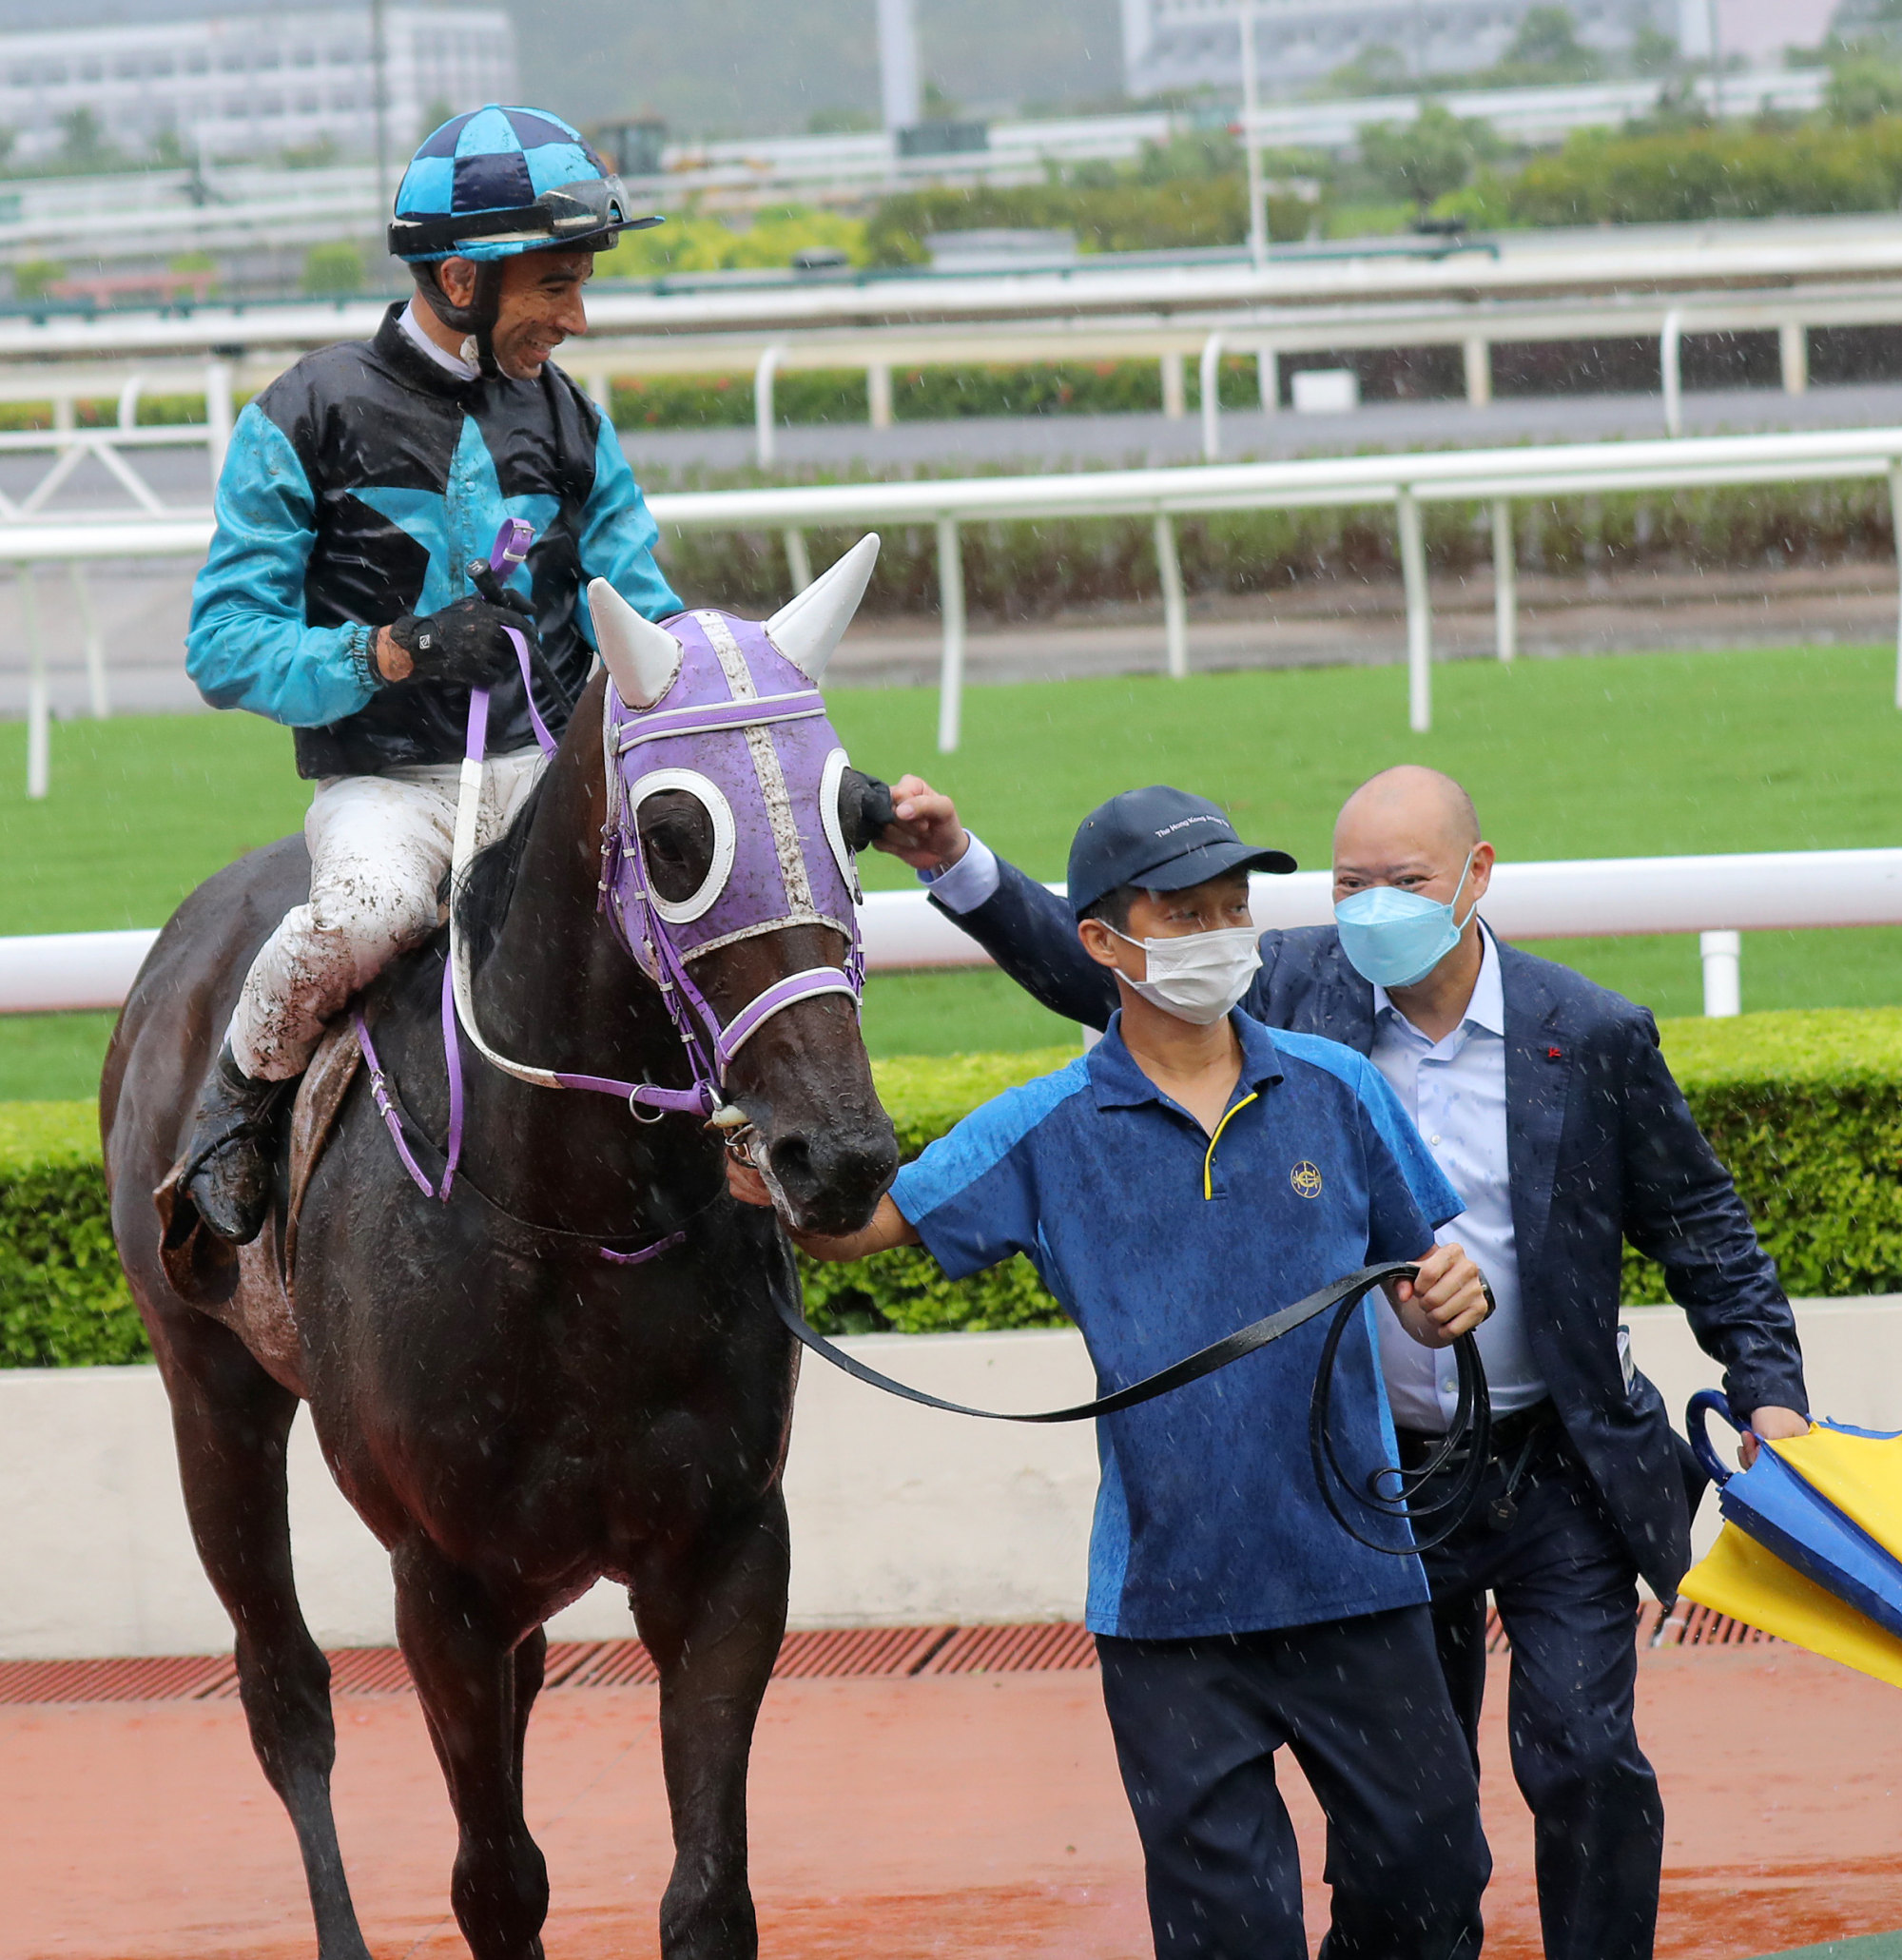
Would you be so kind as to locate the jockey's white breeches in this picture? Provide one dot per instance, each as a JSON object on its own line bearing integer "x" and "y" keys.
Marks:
{"x": 379, "y": 849}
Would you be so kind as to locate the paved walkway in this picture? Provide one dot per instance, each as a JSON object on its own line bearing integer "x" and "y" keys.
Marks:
{"x": 941, "y": 1814}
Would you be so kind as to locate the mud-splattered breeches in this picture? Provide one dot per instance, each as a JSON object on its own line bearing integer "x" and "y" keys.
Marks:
{"x": 379, "y": 849}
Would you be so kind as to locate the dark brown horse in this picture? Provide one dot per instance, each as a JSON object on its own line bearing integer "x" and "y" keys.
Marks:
{"x": 513, "y": 1415}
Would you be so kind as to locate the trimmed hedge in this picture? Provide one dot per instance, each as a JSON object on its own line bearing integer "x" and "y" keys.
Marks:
{"x": 63, "y": 1298}
{"x": 1805, "y": 1108}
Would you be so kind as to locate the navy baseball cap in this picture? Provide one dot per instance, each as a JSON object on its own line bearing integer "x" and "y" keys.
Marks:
{"x": 1162, "y": 839}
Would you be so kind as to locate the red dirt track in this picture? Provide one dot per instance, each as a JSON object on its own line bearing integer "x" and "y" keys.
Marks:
{"x": 946, "y": 1813}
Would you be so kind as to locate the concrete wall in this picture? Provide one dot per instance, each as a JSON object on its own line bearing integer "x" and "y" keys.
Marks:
{"x": 898, "y": 1514}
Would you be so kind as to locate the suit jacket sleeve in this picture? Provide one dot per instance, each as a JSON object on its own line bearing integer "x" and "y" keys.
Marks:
{"x": 1683, "y": 1210}
{"x": 1030, "y": 933}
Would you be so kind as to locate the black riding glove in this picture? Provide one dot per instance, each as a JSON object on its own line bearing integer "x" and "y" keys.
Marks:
{"x": 465, "y": 644}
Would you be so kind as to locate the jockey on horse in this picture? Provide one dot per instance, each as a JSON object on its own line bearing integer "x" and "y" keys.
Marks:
{"x": 358, "y": 489}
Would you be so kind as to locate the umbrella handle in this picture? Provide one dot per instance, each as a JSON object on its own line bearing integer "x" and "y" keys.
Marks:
{"x": 1705, "y": 1402}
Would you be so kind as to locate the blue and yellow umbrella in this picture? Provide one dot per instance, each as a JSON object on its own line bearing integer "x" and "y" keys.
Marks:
{"x": 1804, "y": 1553}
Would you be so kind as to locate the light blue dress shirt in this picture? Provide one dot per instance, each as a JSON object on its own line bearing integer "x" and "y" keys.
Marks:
{"x": 1455, "y": 1091}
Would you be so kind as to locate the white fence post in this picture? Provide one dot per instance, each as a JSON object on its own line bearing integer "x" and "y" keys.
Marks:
{"x": 1505, "y": 583}
{"x": 1670, "y": 368}
{"x": 766, "y": 433}
{"x": 1792, "y": 349}
{"x": 951, "y": 608}
{"x": 1268, "y": 379}
{"x": 601, "y": 392}
{"x": 798, "y": 559}
{"x": 1479, "y": 373}
{"x": 1722, "y": 955}
{"x": 1175, "y": 385}
{"x": 1174, "y": 612}
{"x": 39, "y": 704}
{"x": 98, "y": 695}
{"x": 879, "y": 393}
{"x": 1896, "y": 525}
{"x": 219, "y": 415}
{"x": 1210, "y": 374}
{"x": 1419, "y": 615}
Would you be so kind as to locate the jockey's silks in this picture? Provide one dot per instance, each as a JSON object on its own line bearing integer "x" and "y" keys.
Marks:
{"x": 357, "y": 488}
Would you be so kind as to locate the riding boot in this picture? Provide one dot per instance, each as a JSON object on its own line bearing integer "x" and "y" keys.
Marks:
{"x": 230, "y": 1161}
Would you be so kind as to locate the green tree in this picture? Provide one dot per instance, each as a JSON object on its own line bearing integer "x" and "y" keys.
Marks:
{"x": 168, "y": 153}
{"x": 332, "y": 271}
{"x": 433, "y": 117}
{"x": 1546, "y": 49}
{"x": 83, "y": 146}
{"x": 840, "y": 121}
{"x": 1863, "y": 84}
{"x": 1653, "y": 52}
{"x": 1425, "y": 158}
{"x": 1376, "y": 71}
{"x": 1196, "y": 153}
{"x": 939, "y": 106}
{"x": 33, "y": 279}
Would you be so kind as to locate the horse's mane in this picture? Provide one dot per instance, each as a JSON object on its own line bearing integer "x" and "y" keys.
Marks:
{"x": 482, "y": 903}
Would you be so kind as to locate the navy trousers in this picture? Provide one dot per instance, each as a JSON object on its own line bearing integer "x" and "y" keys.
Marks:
{"x": 1360, "y": 1705}
{"x": 1566, "y": 1589}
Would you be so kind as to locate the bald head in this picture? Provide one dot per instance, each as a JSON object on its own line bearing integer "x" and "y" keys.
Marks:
{"x": 1423, "y": 804}
{"x": 1412, "y": 827}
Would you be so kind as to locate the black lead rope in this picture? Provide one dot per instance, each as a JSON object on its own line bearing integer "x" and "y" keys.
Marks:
{"x": 1470, "y": 1432}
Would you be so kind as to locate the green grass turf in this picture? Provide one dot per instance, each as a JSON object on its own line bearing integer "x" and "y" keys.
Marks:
{"x": 1793, "y": 749}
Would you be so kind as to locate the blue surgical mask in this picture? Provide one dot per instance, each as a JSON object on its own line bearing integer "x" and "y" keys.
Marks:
{"x": 1394, "y": 938}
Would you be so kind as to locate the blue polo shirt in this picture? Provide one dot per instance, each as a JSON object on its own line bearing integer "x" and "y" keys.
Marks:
{"x": 1157, "y": 1239}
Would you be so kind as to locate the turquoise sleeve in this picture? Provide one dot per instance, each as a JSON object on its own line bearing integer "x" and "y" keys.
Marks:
{"x": 618, "y": 536}
{"x": 248, "y": 646}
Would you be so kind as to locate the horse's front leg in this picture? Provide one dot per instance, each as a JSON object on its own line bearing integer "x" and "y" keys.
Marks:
{"x": 712, "y": 1614}
{"x": 476, "y": 1689}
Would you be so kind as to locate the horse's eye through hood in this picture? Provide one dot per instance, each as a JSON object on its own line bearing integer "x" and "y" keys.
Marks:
{"x": 687, "y": 831}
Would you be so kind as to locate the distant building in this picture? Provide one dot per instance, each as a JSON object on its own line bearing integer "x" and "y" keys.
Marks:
{"x": 251, "y": 85}
{"x": 1190, "y": 44}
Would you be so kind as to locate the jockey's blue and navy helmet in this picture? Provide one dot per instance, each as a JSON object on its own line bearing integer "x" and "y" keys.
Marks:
{"x": 502, "y": 181}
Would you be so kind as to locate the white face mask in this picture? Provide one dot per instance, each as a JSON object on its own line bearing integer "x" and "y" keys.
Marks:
{"x": 1199, "y": 976}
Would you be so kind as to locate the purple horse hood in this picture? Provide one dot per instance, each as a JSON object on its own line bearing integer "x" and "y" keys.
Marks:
{"x": 745, "y": 733}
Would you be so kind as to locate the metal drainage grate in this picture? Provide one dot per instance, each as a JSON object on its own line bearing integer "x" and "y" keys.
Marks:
{"x": 165, "y": 1677}
{"x": 835, "y": 1654}
{"x": 1061, "y": 1645}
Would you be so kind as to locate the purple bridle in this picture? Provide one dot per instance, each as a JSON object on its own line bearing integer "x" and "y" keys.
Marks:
{"x": 742, "y": 730}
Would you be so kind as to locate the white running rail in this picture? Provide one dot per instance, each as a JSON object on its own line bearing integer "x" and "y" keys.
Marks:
{"x": 1594, "y": 898}
{"x": 1495, "y": 477}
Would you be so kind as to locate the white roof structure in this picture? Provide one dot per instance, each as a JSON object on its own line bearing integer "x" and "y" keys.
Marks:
{"x": 1186, "y": 44}
{"x": 254, "y": 83}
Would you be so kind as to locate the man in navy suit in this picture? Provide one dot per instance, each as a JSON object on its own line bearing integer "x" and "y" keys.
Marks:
{"x": 1545, "y": 1101}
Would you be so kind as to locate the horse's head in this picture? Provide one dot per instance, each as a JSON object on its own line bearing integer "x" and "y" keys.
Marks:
{"x": 734, "y": 825}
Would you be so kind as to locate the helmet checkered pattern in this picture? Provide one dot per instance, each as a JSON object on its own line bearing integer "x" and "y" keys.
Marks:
{"x": 494, "y": 159}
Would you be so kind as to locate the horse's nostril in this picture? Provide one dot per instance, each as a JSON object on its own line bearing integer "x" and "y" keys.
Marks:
{"x": 832, "y": 1183}
{"x": 792, "y": 1166}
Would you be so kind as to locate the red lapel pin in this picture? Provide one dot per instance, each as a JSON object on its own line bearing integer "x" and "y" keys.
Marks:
{"x": 1555, "y": 1054}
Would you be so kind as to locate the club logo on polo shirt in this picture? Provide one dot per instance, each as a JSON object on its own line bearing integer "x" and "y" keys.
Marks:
{"x": 1306, "y": 1178}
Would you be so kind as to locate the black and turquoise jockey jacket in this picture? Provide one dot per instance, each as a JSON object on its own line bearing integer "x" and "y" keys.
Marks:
{"x": 357, "y": 486}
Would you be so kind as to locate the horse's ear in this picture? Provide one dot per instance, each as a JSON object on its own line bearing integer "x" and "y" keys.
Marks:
{"x": 643, "y": 658}
{"x": 809, "y": 629}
